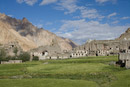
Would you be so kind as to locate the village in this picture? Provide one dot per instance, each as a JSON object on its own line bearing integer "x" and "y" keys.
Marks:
{"x": 94, "y": 48}
{"x": 120, "y": 48}
{"x": 64, "y": 43}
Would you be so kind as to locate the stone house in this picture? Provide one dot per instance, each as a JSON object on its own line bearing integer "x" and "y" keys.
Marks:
{"x": 41, "y": 55}
{"x": 78, "y": 53}
{"x": 46, "y": 55}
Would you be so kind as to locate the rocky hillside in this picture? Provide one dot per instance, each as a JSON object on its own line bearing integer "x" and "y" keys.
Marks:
{"x": 73, "y": 44}
{"x": 7, "y": 34}
{"x": 125, "y": 36}
{"x": 37, "y": 37}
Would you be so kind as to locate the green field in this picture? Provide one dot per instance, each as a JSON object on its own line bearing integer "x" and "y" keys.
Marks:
{"x": 80, "y": 72}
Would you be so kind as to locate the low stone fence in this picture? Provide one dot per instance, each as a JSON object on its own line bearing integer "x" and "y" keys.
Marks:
{"x": 124, "y": 56}
{"x": 11, "y": 62}
{"x": 124, "y": 59}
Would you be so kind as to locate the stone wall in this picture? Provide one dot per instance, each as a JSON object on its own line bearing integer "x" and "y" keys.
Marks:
{"x": 124, "y": 60}
{"x": 124, "y": 55}
{"x": 11, "y": 62}
{"x": 128, "y": 64}
{"x": 46, "y": 55}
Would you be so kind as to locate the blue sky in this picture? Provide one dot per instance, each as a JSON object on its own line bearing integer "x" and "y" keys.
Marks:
{"x": 78, "y": 20}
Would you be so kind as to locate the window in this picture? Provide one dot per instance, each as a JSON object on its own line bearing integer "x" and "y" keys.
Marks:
{"x": 43, "y": 53}
{"x": 12, "y": 45}
{"x": 129, "y": 47}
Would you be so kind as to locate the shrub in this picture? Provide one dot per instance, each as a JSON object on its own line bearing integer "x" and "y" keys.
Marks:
{"x": 2, "y": 54}
{"x": 24, "y": 56}
{"x": 15, "y": 51}
{"x": 35, "y": 58}
{"x": 4, "y": 57}
{"x": 11, "y": 58}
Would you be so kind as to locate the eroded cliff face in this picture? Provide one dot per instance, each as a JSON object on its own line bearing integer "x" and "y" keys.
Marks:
{"x": 7, "y": 34}
{"x": 125, "y": 36}
{"x": 37, "y": 37}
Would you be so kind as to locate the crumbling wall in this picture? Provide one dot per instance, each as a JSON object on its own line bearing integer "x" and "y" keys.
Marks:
{"x": 11, "y": 62}
{"x": 124, "y": 60}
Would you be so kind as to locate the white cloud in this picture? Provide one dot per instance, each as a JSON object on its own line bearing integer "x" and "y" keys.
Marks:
{"x": 125, "y": 18}
{"x": 81, "y": 30}
{"x": 46, "y": 2}
{"x": 10, "y": 15}
{"x": 42, "y": 25}
{"x": 69, "y": 5}
{"x": 103, "y": 1}
{"x": 39, "y": 25}
{"x": 20, "y": 1}
{"x": 90, "y": 13}
{"x": 115, "y": 22}
{"x": 76, "y": 17}
{"x": 29, "y": 2}
{"x": 49, "y": 23}
{"x": 112, "y": 14}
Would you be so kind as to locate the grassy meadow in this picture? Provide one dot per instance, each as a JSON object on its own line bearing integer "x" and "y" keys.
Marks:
{"x": 79, "y": 72}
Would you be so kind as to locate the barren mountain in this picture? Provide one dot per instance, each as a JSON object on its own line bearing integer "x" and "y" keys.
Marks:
{"x": 7, "y": 34}
{"x": 125, "y": 36}
{"x": 39, "y": 37}
{"x": 73, "y": 44}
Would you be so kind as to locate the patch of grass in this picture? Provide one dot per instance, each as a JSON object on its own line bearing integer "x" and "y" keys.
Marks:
{"x": 98, "y": 59}
{"x": 123, "y": 79}
{"x": 7, "y": 70}
{"x": 84, "y": 72}
{"x": 90, "y": 68}
{"x": 46, "y": 83}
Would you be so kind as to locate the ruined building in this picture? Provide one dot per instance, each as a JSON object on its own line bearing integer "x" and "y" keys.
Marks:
{"x": 124, "y": 55}
{"x": 97, "y": 48}
{"x": 90, "y": 48}
{"x": 50, "y": 52}
{"x": 104, "y": 47}
{"x": 124, "y": 60}
{"x": 11, "y": 47}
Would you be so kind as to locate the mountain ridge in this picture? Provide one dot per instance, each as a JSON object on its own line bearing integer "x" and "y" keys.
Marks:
{"x": 10, "y": 35}
{"x": 39, "y": 36}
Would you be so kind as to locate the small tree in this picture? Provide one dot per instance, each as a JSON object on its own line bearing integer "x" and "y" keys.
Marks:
{"x": 15, "y": 51}
{"x": 10, "y": 58}
{"x": 2, "y": 54}
{"x": 24, "y": 56}
{"x": 35, "y": 58}
{"x": 0, "y": 44}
